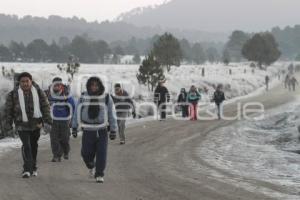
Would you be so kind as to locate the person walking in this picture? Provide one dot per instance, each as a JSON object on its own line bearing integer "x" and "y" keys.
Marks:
{"x": 218, "y": 98}
{"x": 28, "y": 108}
{"x": 63, "y": 107}
{"x": 182, "y": 101}
{"x": 161, "y": 97}
{"x": 123, "y": 104}
{"x": 94, "y": 113}
{"x": 293, "y": 83}
{"x": 193, "y": 98}
{"x": 267, "y": 80}
{"x": 287, "y": 81}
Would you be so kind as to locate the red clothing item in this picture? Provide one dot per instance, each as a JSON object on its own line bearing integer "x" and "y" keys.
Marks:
{"x": 193, "y": 110}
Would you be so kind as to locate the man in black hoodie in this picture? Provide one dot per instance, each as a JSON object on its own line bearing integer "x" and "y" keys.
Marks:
{"x": 267, "y": 80}
{"x": 161, "y": 97}
{"x": 218, "y": 98}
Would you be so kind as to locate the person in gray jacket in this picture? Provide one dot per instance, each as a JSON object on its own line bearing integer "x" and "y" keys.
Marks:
{"x": 94, "y": 112}
{"x": 123, "y": 104}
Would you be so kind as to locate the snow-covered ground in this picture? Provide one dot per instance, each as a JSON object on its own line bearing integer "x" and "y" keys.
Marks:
{"x": 236, "y": 85}
{"x": 5, "y": 86}
{"x": 263, "y": 150}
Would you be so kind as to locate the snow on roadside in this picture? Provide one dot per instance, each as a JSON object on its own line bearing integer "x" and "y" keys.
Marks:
{"x": 5, "y": 86}
{"x": 237, "y": 84}
{"x": 260, "y": 149}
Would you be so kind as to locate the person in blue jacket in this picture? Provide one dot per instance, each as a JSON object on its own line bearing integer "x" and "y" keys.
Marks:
{"x": 94, "y": 113}
{"x": 62, "y": 107}
{"x": 193, "y": 98}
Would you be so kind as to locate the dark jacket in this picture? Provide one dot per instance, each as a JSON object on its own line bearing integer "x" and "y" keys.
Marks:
{"x": 123, "y": 102}
{"x": 161, "y": 95}
{"x": 218, "y": 97}
{"x": 182, "y": 97}
{"x": 13, "y": 112}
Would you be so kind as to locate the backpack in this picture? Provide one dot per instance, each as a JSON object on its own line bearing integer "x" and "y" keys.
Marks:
{"x": 65, "y": 100}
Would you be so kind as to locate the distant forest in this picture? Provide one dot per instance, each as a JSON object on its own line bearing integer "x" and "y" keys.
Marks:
{"x": 100, "y": 51}
{"x": 29, "y": 28}
{"x": 53, "y": 39}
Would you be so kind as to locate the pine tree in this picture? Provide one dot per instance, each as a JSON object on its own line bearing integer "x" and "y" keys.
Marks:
{"x": 235, "y": 44}
{"x": 261, "y": 48}
{"x": 167, "y": 51}
{"x": 226, "y": 57}
{"x": 198, "y": 54}
{"x": 150, "y": 72}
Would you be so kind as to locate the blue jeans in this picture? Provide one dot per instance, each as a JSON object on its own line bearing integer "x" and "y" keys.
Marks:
{"x": 94, "y": 145}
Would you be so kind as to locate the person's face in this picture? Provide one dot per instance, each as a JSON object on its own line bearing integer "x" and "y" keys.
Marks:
{"x": 25, "y": 84}
{"x": 57, "y": 87}
{"x": 118, "y": 90}
{"x": 94, "y": 87}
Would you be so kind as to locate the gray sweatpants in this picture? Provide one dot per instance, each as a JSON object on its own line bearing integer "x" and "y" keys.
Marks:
{"x": 60, "y": 137}
{"x": 121, "y": 119}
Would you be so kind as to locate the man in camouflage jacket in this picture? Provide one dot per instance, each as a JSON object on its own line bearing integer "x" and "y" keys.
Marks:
{"x": 29, "y": 128}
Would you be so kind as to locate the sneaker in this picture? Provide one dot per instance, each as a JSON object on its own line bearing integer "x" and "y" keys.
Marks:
{"x": 122, "y": 142}
{"x": 25, "y": 175}
{"x": 99, "y": 179}
{"x": 91, "y": 173}
{"x": 56, "y": 159}
{"x": 34, "y": 173}
{"x": 66, "y": 156}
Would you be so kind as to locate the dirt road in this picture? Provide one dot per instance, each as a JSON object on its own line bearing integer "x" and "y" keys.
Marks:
{"x": 158, "y": 162}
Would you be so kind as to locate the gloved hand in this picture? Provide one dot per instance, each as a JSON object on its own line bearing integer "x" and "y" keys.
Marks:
{"x": 40, "y": 125}
{"x": 74, "y": 133}
{"x": 112, "y": 135}
{"x": 47, "y": 128}
{"x": 134, "y": 115}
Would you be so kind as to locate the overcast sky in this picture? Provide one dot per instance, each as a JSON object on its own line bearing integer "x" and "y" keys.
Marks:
{"x": 91, "y": 10}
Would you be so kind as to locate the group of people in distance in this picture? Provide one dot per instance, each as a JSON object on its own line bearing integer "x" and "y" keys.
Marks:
{"x": 188, "y": 101}
{"x": 290, "y": 82}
